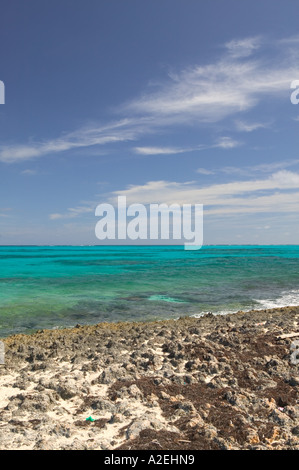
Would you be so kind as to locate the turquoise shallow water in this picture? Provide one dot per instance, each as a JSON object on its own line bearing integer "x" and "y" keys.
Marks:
{"x": 48, "y": 287}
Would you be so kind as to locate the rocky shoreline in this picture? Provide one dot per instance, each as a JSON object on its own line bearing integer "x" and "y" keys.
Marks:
{"x": 214, "y": 382}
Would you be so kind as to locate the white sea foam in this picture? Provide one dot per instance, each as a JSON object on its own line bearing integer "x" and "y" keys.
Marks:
{"x": 287, "y": 299}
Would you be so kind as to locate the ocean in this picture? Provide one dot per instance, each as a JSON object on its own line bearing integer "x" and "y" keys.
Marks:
{"x": 53, "y": 287}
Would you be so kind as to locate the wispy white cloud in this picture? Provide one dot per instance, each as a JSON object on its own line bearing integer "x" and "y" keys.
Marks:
{"x": 73, "y": 213}
{"x": 161, "y": 150}
{"x": 277, "y": 192}
{"x": 238, "y": 48}
{"x": 222, "y": 142}
{"x": 227, "y": 143}
{"x": 251, "y": 170}
{"x": 124, "y": 130}
{"x": 205, "y": 171}
{"x": 273, "y": 166}
{"x": 291, "y": 40}
{"x": 29, "y": 172}
{"x": 228, "y": 86}
{"x": 250, "y": 127}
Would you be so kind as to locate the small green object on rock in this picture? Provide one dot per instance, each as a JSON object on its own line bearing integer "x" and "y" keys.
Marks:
{"x": 90, "y": 419}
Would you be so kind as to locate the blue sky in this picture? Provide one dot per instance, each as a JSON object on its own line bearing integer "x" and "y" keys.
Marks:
{"x": 169, "y": 101}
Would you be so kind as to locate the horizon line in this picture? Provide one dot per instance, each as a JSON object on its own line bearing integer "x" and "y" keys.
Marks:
{"x": 148, "y": 245}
